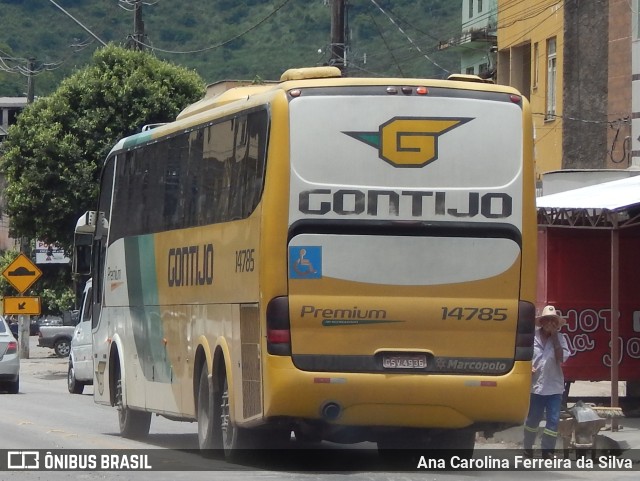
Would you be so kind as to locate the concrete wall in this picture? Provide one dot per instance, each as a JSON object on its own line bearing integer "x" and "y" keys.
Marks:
{"x": 585, "y": 84}
{"x": 635, "y": 84}
{"x": 619, "y": 85}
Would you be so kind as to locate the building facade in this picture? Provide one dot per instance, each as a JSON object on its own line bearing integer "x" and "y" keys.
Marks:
{"x": 530, "y": 52}
{"x": 10, "y": 107}
{"x": 572, "y": 60}
{"x": 635, "y": 84}
{"x": 477, "y": 41}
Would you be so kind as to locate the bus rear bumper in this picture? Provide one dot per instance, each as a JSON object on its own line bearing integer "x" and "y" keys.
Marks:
{"x": 398, "y": 400}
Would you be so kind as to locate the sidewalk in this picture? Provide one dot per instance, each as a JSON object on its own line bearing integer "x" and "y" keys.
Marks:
{"x": 43, "y": 363}
{"x": 625, "y": 440}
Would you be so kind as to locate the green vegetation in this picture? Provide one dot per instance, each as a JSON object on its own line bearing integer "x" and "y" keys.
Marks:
{"x": 51, "y": 159}
{"x": 290, "y": 37}
{"x": 88, "y": 97}
{"x": 52, "y": 156}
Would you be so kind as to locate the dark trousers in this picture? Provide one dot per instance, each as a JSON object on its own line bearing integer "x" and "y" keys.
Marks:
{"x": 538, "y": 405}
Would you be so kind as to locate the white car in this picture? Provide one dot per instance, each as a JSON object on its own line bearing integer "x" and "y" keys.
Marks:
{"x": 80, "y": 371}
{"x": 9, "y": 360}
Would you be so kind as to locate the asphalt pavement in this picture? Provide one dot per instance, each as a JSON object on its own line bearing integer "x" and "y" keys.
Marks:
{"x": 620, "y": 436}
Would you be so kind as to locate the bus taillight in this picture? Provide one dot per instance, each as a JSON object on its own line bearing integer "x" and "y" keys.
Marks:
{"x": 525, "y": 331}
{"x": 278, "y": 327}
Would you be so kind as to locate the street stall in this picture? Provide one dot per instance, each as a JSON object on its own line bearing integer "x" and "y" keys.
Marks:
{"x": 589, "y": 268}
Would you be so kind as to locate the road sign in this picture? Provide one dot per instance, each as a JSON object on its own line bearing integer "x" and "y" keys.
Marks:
{"x": 22, "y": 273}
{"x": 27, "y": 306}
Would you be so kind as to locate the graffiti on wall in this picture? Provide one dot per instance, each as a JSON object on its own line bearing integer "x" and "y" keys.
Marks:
{"x": 587, "y": 329}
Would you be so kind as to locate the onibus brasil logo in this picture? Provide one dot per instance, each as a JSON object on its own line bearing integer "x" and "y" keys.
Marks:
{"x": 409, "y": 141}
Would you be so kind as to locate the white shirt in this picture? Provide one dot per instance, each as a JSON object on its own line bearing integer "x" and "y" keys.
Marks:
{"x": 547, "y": 377}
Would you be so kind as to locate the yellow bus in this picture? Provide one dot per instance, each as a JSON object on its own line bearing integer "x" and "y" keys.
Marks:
{"x": 347, "y": 259}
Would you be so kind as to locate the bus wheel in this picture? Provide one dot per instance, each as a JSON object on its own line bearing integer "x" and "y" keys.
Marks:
{"x": 234, "y": 438}
{"x": 208, "y": 435}
{"x": 133, "y": 424}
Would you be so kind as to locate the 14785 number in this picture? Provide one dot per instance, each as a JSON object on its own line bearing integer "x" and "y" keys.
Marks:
{"x": 245, "y": 260}
{"x": 471, "y": 313}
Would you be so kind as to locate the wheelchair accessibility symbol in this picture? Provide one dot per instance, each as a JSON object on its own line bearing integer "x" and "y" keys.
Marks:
{"x": 305, "y": 262}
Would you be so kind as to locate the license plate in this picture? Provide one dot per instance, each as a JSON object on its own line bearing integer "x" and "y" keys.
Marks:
{"x": 404, "y": 361}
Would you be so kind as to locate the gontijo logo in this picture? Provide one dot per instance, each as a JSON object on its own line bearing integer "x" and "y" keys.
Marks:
{"x": 409, "y": 141}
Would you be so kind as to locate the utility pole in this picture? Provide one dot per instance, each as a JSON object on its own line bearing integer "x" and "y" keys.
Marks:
{"x": 31, "y": 69}
{"x": 26, "y": 68}
{"x": 337, "y": 35}
{"x": 138, "y": 27}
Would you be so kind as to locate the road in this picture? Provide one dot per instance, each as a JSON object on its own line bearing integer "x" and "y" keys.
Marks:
{"x": 45, "y": 416}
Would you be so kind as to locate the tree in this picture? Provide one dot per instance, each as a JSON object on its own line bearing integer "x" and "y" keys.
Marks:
{"x": 52, "y": 157}
{"x": 53, "y": 154}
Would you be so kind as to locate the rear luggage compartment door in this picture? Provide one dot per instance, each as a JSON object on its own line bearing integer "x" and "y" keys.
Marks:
{"x": 405, "y": 223}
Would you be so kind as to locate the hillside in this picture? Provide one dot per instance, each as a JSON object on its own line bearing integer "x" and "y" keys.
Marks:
{"x": 229, "y": 39}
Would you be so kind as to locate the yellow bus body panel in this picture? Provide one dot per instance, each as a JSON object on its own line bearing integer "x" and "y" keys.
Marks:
{"x": 437, "y": 401}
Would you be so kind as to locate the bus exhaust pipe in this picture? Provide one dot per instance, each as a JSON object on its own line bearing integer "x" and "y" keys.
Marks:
{"x": 331, "y": 411}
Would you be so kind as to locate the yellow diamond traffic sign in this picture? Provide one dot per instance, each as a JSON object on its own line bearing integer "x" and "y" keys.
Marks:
{"x": 22, "y": 273}
{"x": 27, "y": 306}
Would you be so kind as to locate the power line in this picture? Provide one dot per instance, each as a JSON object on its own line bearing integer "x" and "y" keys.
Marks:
{"x": 78, "y": 22}
{"x": 138, "y": 38}
{"x": 27, "y": 68}
{"x": 384, "y": 40}
{"x": 221, "y": 44}
{"x": 409, "y": 38}
{"x": 529, "y": 30}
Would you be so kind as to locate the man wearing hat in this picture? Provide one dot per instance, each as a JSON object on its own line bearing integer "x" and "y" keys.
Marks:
{"x": 550, "y": 350}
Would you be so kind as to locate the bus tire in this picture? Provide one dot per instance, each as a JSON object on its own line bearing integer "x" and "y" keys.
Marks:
{"x": 234, "y": 438}
{"x": 208, "y": 434}
{"x": 133, "y": 424}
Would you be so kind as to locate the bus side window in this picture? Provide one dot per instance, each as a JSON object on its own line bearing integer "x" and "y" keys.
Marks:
{"x": 101, "y": 235}
{"x": 86, "y": 306}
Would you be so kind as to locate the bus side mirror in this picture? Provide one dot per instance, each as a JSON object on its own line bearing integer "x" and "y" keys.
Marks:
{"x": 83, "y": 240}
{"x": 82, "y": 259}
